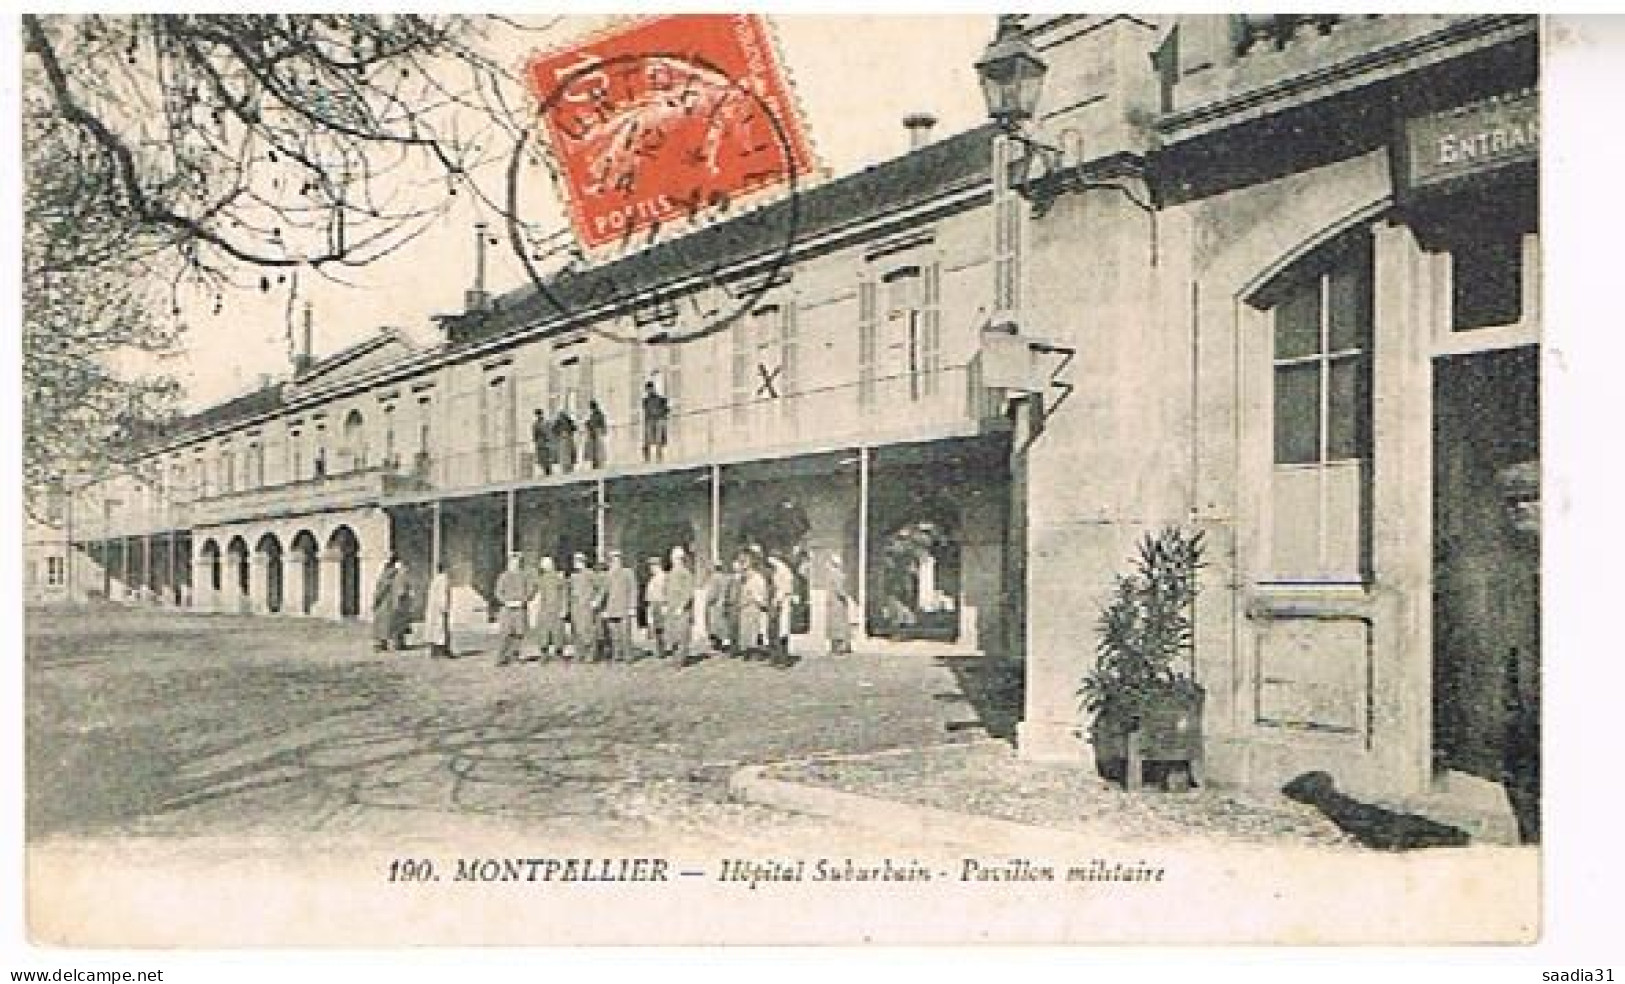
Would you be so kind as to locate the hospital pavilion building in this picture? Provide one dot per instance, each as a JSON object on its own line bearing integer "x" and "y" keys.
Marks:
{"x": 1272, "y": 277}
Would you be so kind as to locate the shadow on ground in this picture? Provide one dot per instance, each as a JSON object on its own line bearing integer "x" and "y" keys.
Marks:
{"x": 1371, "y": 825}
{"x": 995, "y": 690}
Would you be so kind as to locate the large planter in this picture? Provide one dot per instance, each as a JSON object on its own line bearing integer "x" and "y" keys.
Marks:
{"x": 1160, "y": 742}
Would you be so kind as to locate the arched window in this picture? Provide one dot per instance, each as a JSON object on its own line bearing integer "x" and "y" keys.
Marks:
{"x": 1321, "y": 320}
{"x": 355, "y": 441}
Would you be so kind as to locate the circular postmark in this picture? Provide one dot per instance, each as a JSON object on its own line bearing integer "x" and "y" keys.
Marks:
{"x": 662, "y": 148}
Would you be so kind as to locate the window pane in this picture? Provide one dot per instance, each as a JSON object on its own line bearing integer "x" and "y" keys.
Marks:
{"x": 1486, "y": 283}
{"x": 1297, "y": 322}
{"x": 1348, "y": 405}
{"x": 1297, "y": 414}
{"x": 1295, "y": 524}
{"x": 1349, "y": 296}
{"x": 1342, "y": 523}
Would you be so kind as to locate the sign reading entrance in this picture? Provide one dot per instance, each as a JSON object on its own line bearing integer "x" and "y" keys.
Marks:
{"x": 1471, "y": 140}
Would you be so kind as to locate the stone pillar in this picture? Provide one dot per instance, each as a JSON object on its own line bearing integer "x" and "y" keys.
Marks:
{"x": 293, "y": 582}
{"x": 203, "y": 598}
{"x": 327, "y": 597}
{"x": 259, "y": 581}
{"x": 366, "y": 580}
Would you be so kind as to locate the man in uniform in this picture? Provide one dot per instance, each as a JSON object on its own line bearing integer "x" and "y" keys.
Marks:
{"x": 552, "y": 598}
{"x": 582, "y": 592}
{"x": 782, "y": 583}
{"x": 515, "y": 587}
{"x": 678, "y": 608}
{"x": 541, "y": 437}
{"x": 388, "y": 598}
{"x": 620, "y": 607}
{"x": 654, "y": 605}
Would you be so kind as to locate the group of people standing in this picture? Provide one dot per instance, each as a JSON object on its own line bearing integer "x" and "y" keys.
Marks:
{"x": 592, "y": 612}
{"x": 556, "y": 444}
{"x": 560, "y": 445}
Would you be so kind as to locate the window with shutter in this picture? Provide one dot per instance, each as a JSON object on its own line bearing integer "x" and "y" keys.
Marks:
{"x": 635, "y": 378}
{"x": 930, "y": 331}
{"x": 672, "y": 387}
{"x": 741, "y": 336}
{"x": 867, "y": 327}
{"x": 789, "y": 347}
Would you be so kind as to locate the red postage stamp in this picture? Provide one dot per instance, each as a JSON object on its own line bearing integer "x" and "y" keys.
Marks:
{"x": 666, "y": 120}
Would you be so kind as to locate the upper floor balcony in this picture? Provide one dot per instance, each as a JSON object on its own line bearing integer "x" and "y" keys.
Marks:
{"x": 102, "y": 518}
{"x": 356, "y": 488}
{"x": 1232, "y": 69}
{"x": 906, "y": 407}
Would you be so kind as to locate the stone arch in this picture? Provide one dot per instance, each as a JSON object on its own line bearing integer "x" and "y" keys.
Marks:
{"x": 344, "y": 550}
{"x": 210, "y": 554}
{"x": 308, "y": 585}
{"x": 268, "y": 554}
{"x": 237, "y": 574}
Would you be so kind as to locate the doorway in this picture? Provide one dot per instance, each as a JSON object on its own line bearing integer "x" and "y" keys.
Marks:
{"x": 344, "y": 544}
{"x": 1486, "y": 572}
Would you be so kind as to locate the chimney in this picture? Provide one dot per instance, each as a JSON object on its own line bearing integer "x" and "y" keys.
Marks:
{"x": 919, "y": 127}
{"x": 475, "y": 298}
{"x": 303, "y": 358}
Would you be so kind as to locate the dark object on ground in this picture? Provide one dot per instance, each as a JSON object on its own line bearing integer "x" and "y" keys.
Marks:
{"x": 1372, "y": 826}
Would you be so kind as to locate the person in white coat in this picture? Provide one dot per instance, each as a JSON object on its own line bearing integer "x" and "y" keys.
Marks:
{"x": 437, "y": 614}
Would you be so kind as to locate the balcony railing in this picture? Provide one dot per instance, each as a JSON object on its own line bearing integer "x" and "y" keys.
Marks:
{"x": 135, "y": 520}
{"x": 359, "y": 487}
{"x": 945, "y": 402}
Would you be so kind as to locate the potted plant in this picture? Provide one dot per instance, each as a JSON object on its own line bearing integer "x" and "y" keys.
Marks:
{"x": 1146, "y": 703}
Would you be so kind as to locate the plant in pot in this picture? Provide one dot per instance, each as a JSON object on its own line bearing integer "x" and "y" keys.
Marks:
{"x": 1146, "y": 703}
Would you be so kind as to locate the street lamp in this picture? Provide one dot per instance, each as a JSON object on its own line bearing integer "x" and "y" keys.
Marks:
{"x": 1012, "y": 76}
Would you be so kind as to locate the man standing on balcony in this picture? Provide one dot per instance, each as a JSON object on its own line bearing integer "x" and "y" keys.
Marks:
{"x": 597, "y": 428}
{"x": 620, "y": 607}
{"x": 515, "y": 588}
{"x": 564, "y": 441}
{"x": 541, "y": 438}
{"x": 552, "y": 599}
{"x": 656, "y": 412}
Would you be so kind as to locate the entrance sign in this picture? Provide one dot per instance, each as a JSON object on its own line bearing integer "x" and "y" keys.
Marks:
{"x": 1466, "y": 141}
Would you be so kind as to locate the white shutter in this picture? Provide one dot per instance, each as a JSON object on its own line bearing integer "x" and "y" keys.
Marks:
{"x": 867, "y": 329}
{"x": 931, "y": 329}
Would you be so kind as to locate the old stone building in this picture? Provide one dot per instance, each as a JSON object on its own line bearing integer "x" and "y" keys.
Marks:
{"x": 1271, "y": 277}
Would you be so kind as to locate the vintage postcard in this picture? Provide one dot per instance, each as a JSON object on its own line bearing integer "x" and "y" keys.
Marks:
{"x": 769, "y": 478}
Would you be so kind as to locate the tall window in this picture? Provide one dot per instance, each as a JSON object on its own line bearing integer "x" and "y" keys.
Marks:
{"x": 868, "y": 341}
{"x": 389, "y": 435}
{"x": 762, "y": 350}
{"x": 1322, "y": 418}
{"x": 909, "y": 349}
{"x": 425, "y": 430}
{"x": 296, "y": 456}
{"x": 56, "y": 570}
